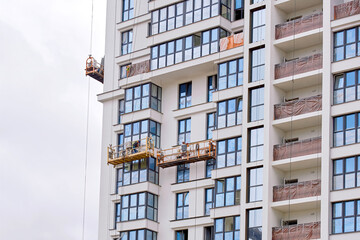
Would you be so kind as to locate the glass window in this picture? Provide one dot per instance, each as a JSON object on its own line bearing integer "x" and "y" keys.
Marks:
{"x": 346, "y": 173}
{"x": 209, "y": 233}
{"x": 139, "y": 98}
{"x": 211, "y": 125}
{"x": 185, "y": 95}
{"x": 140, "y": 131}
{"x": 255, "y": 184}
{"x": 230, "y": 74}
{"x": 346, "y": 129}
{"x": 254, "y": 225}
{"x": 119, "y": 179}
{"x": 182, "y": 205}
{"x": 256, "y": 1}
{"x": 182, "y": 235}
{"x": 186, "y": 48}
{"x": 121, "y": 109}
{"x": 256, "y": 144}
{"x": 209, "y": 200}
{"x": 257, "y": 104}
{"x": 225, "y": 9}
{"x": 210, "y": 165}
{"x": 127, "y": 10}
{"x": 211, "y": 87}
{"x": 126, "y": 42}
{"x": 117, "y": 213}
{"x": 258, "y": 65}
{"x": 137, "y": 171}
{"x": 141, "y": 234}
{"x": 125, "y": 71}
{"x": 229, "y": 113}
{"x": 227, "y": 228}
{"x": 347, "y": 87}
{"x": 346, "y": 217}
{"x": 227, "y": 191}
{"x": 346, "y": 44}
{"x": 183, "y": 173}
{"x": 239, "y": 9}
{"x": 184, "y": 134}
{"x": 229, "y": 152}
{"x": 258, "y": 25}
{"x": 139, "y": 206}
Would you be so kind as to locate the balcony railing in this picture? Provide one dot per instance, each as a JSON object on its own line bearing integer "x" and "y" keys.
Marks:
{"x": 138, "y": 68}
{"x": 299, "y": 25}
{"x": 346, "y": 9}
{"x": 94, "y": 69}
{"x": 297, "y": 232}
{"x": 232, "y": 41}
{"x": 301, "y": 65}
{"x": 297, "y": 190}
{"x": 298, "y": 107}
{"x": 186, "y": 153}
{"x": 297, "y": 149}
{"x": 131, "y": 151}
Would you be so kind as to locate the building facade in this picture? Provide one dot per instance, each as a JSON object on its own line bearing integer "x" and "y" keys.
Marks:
{"x": 231, "y": 120}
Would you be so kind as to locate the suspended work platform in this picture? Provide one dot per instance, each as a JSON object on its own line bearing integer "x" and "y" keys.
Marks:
{"x": 94, "y": 69}
{"x": 186, "y": 153}
{"x": 131, "y": 151}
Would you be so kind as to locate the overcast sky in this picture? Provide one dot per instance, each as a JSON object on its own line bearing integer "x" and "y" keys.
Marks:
{"x": 43, "y": 100}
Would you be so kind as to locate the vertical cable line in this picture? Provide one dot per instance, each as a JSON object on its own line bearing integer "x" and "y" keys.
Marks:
{"x": 87, "y": 127}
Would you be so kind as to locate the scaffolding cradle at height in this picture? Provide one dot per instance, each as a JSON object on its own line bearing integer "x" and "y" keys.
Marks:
{"x": 186, "y": 153}
{"x": 131, "y": 151}
{"x": 94, "y": 69}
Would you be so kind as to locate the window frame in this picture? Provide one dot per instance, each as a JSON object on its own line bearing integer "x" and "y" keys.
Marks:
{"x": 259, "y": 28}
{"x": 131, "y": 100}
{"x": 237, "y": 152}
{"x": 355, "y": 216}
{"x": 256, "y": 185}
{"x": 346, "y": 44}
{"x": 248, "y": 228}
{"x": 146, "y": 231}
{"x": 223, "y": 229}
{"x": 186, "y": 131}
{"x": 184, "y": 234}
{"x": 188, "y": 95}
{"x": 133, "y": 137}
{"x": 184, "y": 206}
{"x": 129, "y": 42}
{"x": 211, "y": 80}
{"x": 147, "y": 205}
{"x": 207, "y": 203}
{"x": 183, "y": 170}
{"x": 239, "y": 71}
{"x": 256, "y": 106}
{"x": 121, "y": 109}
{"x": 250, "y": 146}
{"x": 344, "y": 173}
{"x": 344, "y": 129}
{"x": 238, "y": 119}
{"x": 212, "y": 127}
{"x": 236, "y": 190}
{"x": 343, "y": 89}
{"x": 129, "y": 10}
{"x": 257, "y": 65}
{"x": 131, "y": 172}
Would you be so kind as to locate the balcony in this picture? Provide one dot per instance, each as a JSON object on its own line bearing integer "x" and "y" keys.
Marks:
{"x": 297, "y": 190}
{"x": 298, "y": 107}
{"x": 131, "y": 151}
{"x": 186, "y": 153}
{"x": 297, "y": 232}
{"x": 232, "y": 41}
{"x": 298, "y": 66}
{"x": 346, "y": 9}
{"x": 297, "y": 149}
{"x": 138, "y": 68}
{"x": 299, "y": 26}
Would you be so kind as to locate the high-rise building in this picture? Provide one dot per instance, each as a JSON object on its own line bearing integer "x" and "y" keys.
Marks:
{"x": 231, "y": 120}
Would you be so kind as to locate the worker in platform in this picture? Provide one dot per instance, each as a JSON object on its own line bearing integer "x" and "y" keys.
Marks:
{"x": 136, "y": 144}
{"x": 184, "y": 147}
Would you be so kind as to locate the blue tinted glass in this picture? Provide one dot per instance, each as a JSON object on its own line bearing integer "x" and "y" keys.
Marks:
{"x": 182, "y": 90}
{"x": 136, "y": 127}
{"x": 206, "y": 37}
{"x": 144, "y": 126}
{"x": 221, "y": 147}
{"x": 188, "y": 42}
{"x": 238, "y": 4}
{"x": 350, "y": 78}
{"x": 171, "y": 47}
{"x": 127, "y": 129}
{"x": 222, "y": 69}
{"x": 339, "y": 38}
{"x": 339, "y": 124}
{"x": 350, "y": 164}
{"x": 232, "y": 67}
{"x": 222, "y": 108}
{"x": 231, "y": 105}
{"x": 349, "y": 208}
{"x": 214, "y": 34}
{"x": 241, "y": 64}
{"x": 230, "y": 184}
{"x": 231, "y": 145}
{"x": 350, "y": 35}
{"x": 179, "y": 45}
{"x": 188, "y": 125}
{"x": 239, "y": 146}
{"x": 338, "y": 166}
{"x": 219, "y": 225}
{"x": 350, "y": 121}
{"x": 154, "y": 52}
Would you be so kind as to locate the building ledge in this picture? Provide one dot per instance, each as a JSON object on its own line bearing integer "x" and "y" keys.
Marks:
{"x": 299, "y": 122}
{"x": 297, "y": 163}
{"x": 299, "y": 204}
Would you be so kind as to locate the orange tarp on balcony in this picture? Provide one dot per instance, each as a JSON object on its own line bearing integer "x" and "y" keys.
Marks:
{"x": 302, "y": 65}
{"x": 297, "y": 232}
{"x": 296, "y": 149}
{"x": 347, "y": 9}
{"x": 232, "y": 41}
{"x": 299, "y": 25}
{"x": 297, "y": 107}
{"x": 297, "y": 190}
